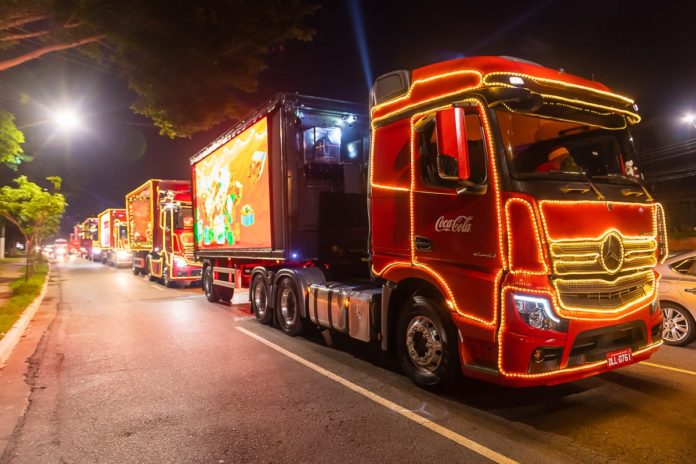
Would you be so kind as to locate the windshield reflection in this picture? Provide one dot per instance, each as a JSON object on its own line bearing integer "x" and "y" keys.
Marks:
{"x": 536, "y": 146}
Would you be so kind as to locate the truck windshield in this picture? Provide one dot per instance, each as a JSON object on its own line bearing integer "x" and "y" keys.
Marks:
{"x": 542, "y": 147}
{"x": 183, "y": 218}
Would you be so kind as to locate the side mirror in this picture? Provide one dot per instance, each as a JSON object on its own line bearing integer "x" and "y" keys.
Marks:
{"x": 453, "y": 151}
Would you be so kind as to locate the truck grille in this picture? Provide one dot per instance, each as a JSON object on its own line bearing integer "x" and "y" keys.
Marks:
{"x": 604, "y": 294}
{"x": 619, "y": 270}
{"x": 584, "y": 257}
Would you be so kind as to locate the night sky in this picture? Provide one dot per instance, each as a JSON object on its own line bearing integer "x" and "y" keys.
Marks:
{"x": 641, "y": 49}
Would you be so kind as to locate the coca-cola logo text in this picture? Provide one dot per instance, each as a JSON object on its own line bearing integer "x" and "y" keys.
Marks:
{"x": 461, "y": 224}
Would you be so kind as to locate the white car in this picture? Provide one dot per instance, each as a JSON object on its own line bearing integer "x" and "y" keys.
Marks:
{"x": 678, "y": 298}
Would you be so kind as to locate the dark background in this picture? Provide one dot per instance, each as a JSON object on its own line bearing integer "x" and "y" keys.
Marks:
{"x": 641, "y": 49}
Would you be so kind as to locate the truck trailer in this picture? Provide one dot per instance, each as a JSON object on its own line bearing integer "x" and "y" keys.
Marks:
{"x": 113, "y": 238}
{"x": 486, "y": 217}
{"x": 160, "y": 232}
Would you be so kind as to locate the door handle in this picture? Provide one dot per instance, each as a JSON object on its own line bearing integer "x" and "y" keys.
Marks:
{"x": 423, "y": 243}
{"x": 478, "y": 254}
{"x": 691, "y": 290}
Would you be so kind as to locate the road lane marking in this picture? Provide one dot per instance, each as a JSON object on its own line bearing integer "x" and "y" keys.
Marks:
{"x": 157, "y": 287}
{"x": 669, "y": 368}
{"x": 418, "y": 419}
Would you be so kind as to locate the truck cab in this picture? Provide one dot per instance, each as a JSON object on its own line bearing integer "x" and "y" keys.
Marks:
{"x": 527, "y": 221}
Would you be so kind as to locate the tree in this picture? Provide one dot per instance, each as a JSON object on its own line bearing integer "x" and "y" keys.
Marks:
{"x": 34, "y": 210}
{"x": 11, "y": 140}
{"x": 189, "y": 62}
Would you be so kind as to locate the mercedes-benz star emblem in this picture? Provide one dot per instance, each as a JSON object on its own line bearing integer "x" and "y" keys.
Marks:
{"x": 612, "y": 253}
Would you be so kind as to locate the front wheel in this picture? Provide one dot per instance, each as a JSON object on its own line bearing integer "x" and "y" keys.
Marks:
{"x": 678, "y": 325}
{"x": 208, "y": 288}
{"x": 259, "y": 300}
{"x": 166, "y": 280}
{"x": 426, "y": 343}
{"x": 288, "y": 312}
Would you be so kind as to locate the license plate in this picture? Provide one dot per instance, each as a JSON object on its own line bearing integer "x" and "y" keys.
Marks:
{"x": 619, "y": 358}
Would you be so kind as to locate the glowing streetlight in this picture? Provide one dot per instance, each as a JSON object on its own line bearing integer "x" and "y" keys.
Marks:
{"x": 67, "y": 119}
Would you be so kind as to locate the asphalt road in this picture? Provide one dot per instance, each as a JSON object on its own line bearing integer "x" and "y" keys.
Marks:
{"x": 125, "y": 370}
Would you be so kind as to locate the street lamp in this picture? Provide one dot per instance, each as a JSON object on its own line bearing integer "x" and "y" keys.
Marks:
{"x": 67, "y": 119}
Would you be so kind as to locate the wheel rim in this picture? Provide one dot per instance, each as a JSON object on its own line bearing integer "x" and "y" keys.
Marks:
{"x": 288, "y": 306}
{"x": 424, "y": 344}
{"x": 675, "y": 325}
{"x": 260, "y": 301}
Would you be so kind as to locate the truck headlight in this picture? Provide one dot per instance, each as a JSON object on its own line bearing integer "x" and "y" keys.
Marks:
{"x": 536, "y": 311}
{"x": 179, "y": 262}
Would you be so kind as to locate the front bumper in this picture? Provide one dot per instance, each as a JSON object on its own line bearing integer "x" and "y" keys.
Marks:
{"x": 582, "y": 353}
{"x": 533, "y": 357}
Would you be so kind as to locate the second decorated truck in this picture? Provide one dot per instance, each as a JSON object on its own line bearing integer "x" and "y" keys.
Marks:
{"x": 160, "y": 228}
{"x": 486, "y": 217}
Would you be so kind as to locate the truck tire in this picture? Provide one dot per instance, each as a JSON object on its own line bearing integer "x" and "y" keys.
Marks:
{"x": 259, "y": 300}
{"x": 166, "y": 281}
{"x": 678, "y": 325}
{"x": 288, "y": 310}
{"x": 211, "y": 293}
{"x": 148, "y": 270}
{"x": 427, "y": 343}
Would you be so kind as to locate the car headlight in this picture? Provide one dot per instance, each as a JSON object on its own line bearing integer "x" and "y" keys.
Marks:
{"x": 536, "y": 311}
{"x": 123, "y": 254}
{"x": 654, "y": 306}
{"x": 96, "y": 250}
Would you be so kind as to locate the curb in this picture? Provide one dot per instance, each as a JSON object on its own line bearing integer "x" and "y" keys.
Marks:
{"x": 12, "y": 337}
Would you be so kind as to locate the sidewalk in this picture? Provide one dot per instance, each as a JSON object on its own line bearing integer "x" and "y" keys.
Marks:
{"x": 11, "y": 269}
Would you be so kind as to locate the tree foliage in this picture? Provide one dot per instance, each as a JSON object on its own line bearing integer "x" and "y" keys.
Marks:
{"x": 189, "y": 62}
{"x": 35, "y": 211}
{"x": 11, "y": 140}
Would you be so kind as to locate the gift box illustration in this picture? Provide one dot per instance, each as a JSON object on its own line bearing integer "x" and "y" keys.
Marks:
{"x": 247, "y": 215}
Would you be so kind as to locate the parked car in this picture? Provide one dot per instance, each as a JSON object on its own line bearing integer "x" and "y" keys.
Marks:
{"x": 678, "y": 298}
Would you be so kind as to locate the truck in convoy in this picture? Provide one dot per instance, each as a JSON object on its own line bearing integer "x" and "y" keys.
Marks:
{"x": 113, "y": 238}
{"x": 497, "y": 225}
{"x": 160, "y": 232}
{"x": 88, "y": 237}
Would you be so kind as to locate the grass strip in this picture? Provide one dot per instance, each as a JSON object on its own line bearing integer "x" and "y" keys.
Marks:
{"x": 23, "y": 293}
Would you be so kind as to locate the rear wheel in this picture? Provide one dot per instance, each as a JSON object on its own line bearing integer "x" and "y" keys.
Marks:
{"x": 426, "y": 343}
{"x": 288, "y": 312}
{"x": 678, "y": 325}
{"x": 259, "y": 300}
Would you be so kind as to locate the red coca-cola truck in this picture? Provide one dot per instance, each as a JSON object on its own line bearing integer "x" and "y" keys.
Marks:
{"x": 486, "y": 217}
{"x": 113, "y": 238}
{"x": 88, "y": 236}
{"x": 160, "y": 229}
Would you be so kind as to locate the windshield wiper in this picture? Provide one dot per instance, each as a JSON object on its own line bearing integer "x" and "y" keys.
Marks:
{"x": 594, "y": 188}
{"x": 630, "y": 179}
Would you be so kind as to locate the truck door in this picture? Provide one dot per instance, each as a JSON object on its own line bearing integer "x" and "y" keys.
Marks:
{"x": 455, "y": 231}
